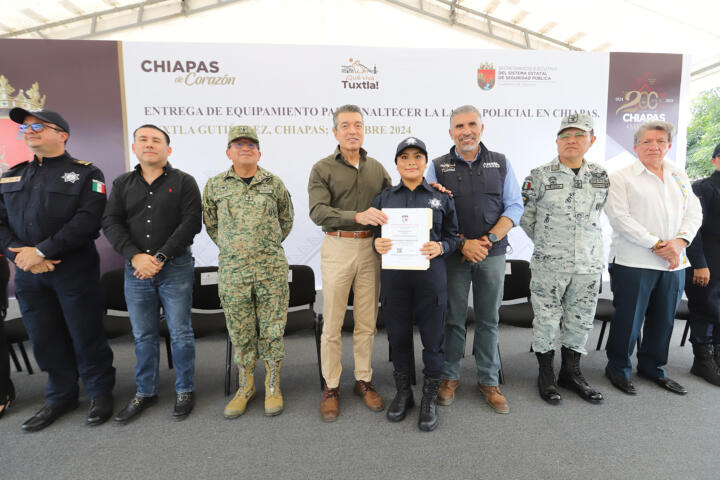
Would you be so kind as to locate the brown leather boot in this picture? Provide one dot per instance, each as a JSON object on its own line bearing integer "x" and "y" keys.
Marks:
{"x": 446, "y": 394}
{"x": 371, "y": 398}
{"x": 494, "y": 398}
{"x": 329, "y": 406}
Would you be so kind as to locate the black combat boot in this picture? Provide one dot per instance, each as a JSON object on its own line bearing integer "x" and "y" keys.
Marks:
{"x": 403, "y": 398}
{"x": 428, "y": 420}
{"x": 704, "y": 365}
{"x": 571, "y": 377}
{"x": 716, "y": 353}
{"x": 546, "y": 379}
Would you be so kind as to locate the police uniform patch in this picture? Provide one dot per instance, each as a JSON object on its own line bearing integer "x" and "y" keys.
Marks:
{"x": 527, "y": 185}
{"x": 434, "y": 203}
{"x": 98, "y": 186}
{"x": 265, "y": 189}
{"x": 553, "y": 185}
{"x": 71, "y": 177}
{"x": 10, "y": 179}
{"x": 599, "y": 180}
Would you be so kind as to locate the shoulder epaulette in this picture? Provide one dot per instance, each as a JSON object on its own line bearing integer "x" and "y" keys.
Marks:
{"x": 81, "y": 162}
{"x": 18, "y": 165}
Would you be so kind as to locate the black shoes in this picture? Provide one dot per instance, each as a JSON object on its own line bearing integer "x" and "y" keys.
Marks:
{"x": 571, "y": 377}
{"x": 403, "y": 398}
{"x": 665, "y": 383}
{"x": 621, "y": 383}
{"x": 546, "y": 379}
{"x": 184, "y": 404}
{"x": 47, "y": 415}
{"x": 428, "y": 420}
{"x": 101, "y": 409}
{"x": 704, "y": 365}
{"x": 134, "y": 408}
{"x": 8, "y": 399}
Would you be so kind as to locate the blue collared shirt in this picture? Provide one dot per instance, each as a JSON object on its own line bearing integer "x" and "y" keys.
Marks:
{"x": 512, "y": 197}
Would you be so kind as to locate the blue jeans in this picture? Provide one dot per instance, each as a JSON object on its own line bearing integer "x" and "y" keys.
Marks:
{"x": 487, "y": 278}
{"x": 172, "y": 287}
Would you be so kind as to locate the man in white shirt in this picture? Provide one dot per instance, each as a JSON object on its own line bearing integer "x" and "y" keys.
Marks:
{"x": 655, "y": 215}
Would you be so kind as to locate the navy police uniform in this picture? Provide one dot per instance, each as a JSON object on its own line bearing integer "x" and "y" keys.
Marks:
{"x": 418, "y": 296}
{"x": 704, "y": 252}
{"x": 56, "y": 206}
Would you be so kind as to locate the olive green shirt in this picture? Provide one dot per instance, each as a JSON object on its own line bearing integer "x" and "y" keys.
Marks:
{"x": 248, "y": 222}
{"x": 338, "y": 190}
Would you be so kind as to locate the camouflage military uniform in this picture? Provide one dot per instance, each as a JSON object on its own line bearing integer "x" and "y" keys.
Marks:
{"x": 562, "y": 218}
{"x": 249, "y": 223}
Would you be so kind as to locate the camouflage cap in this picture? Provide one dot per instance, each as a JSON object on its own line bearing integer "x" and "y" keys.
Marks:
{"x": 242, "y": 131}
{"x": 577, "y": 120}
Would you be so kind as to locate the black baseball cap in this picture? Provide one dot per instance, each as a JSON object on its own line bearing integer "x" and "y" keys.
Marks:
{"x": 408, "y": 143}
{"x": 18, "y": 115}
{"x": 716, "y": 152}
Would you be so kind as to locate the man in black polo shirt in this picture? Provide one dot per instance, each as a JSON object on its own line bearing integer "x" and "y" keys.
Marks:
{"x": 151, "y": 218}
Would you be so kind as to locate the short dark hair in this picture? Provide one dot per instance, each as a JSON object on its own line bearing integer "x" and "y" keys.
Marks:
{"x": 346, "y": 109}
{"x": 155, "y": 127}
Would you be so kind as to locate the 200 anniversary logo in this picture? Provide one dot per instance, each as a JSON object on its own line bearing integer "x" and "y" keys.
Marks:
{"x": 641, "y": 104}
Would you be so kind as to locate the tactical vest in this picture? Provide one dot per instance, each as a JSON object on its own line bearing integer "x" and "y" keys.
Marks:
{"x": 478, "y": 192}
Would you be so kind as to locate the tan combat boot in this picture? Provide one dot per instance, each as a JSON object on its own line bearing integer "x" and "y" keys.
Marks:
{"x": 273, "y": 396}
{"x": 245, "y": 393}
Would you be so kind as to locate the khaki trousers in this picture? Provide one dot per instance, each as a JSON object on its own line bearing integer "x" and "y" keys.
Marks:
{"x": 345, "y": 263}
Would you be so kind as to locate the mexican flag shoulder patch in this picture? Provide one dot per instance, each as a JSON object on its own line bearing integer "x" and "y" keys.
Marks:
{"x": 98, "y": 186}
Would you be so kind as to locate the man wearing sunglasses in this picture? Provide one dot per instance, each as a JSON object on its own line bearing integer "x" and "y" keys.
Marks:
{"x": 50, "y": 211}
{"x": 248, "y": 214}
{"x": 563, "y": 201}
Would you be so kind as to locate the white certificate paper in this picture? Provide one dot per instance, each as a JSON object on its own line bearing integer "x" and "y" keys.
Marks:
{"x": 409, "y": 229}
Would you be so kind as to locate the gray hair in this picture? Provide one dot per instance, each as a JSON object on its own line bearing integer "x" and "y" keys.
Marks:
{"x": 346, "y": 109}
{"x": 667, "y": 127}
{"x": 465, "y": 109}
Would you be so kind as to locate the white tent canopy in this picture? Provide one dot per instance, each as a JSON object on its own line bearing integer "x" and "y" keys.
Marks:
{"x": 611, "y": 25}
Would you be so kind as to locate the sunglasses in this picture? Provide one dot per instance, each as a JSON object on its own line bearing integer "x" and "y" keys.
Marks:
{"x": 37, "y": 127}
{"x": 576, "y": 135}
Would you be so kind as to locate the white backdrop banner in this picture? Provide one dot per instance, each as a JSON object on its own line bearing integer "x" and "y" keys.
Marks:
{"x": 196, "y": 91}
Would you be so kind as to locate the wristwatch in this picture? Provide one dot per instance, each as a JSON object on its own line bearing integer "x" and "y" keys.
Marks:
{"x": 161, "y": 257}
{"x": 442, "y": 250}
{"x": 492, "y": 237}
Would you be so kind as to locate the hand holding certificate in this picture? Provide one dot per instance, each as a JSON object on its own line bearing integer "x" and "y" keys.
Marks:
{"x": 405, "y": 242}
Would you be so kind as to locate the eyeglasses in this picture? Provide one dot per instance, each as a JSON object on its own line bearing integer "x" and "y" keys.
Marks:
{"x": 239, "y": 145}
{"x": 37, "y": 127}
{"x": 660, "y": 143}
{"x": 565, "y": 136}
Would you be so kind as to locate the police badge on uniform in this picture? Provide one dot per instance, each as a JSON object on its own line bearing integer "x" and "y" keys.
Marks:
{"x": 434, "y": 203}
{"x": 71, "y": 177}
